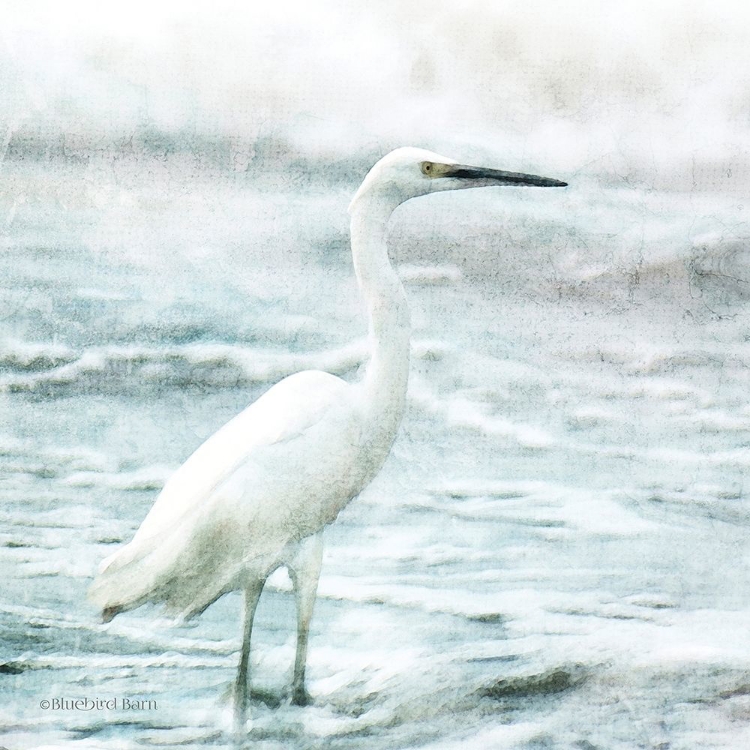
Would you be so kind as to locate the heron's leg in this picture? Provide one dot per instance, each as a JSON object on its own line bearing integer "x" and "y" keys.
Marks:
{"x": 304, "y": 570}
{"x": 252, "y": 595}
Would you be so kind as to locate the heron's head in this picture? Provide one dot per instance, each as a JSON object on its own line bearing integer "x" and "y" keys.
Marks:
{"x": 410, "y": 172}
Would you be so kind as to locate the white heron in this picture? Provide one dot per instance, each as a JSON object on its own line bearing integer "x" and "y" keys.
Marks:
{"x": 257, "y": 495}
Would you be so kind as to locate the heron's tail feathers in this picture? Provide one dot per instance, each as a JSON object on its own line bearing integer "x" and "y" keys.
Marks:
{"x": 127, "y": 579}
{"x": 163, "y": 569}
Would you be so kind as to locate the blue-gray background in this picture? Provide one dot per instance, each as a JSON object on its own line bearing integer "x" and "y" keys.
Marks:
{"x": 556, "y": 554}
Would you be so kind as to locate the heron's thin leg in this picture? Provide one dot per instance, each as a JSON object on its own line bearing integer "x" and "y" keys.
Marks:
{"x": 252, "y": 595}
{"x": 304, "y": 571}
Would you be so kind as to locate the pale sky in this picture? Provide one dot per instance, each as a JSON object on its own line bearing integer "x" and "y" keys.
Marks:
{"x": 604, "y": 80}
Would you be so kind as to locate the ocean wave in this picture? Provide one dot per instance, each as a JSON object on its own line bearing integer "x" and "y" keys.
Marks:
{"x": 115, "y": 368}
{"x": 460, "y": 411}
{"x": 692, "y": 503}
{"x": 22, "y": 356}
{"x": 24, "y": 456}
{"x": 545, "y": 506}
{"x": 50, "y": 369}
{"x": 638, "y": 356}
{"x": 110, "y": 662}
{"x": 147, "y": 478}
{"x": 657, "y": 390}
{"x": 153, "y": 632}
{"x": 717, "y": 421}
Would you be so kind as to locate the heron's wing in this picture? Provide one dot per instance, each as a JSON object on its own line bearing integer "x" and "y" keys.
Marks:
{"x": 285, "y": 412}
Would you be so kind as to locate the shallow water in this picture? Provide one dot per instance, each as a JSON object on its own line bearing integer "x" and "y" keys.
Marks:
{"x": 555, "y": 555}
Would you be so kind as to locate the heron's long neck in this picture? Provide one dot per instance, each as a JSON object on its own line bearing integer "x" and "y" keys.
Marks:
{"x": 390, "y": 327}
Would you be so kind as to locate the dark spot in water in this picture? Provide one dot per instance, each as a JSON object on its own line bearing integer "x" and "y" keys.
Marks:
{"x": 603, "y": 615}
{"x": 43, "y": 472}
{"x": 657, "y": 605}
{"x": 499, "y": 495}
{"x": 623, "y": 617}
{"x": 488, "y": 617}
{"x": 542, "y": 523}
{"x": 16, "y": 545}
{"x": 109, "y": 540}
{"x": 485, "y": 659}
{"x": 550, "y": 683}
{"x": 736, "y": 692}
{"x": 10, "y": 667}
{"x": 137, "y": 723}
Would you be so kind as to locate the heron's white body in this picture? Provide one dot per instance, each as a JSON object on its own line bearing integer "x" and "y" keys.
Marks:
{"x": 275, "y": 474}
{"x": 256, "y": 494}
{"x": 265, "y": 479}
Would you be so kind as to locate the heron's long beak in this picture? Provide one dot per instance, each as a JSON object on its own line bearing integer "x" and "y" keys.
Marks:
{"x": 483, "y": 176}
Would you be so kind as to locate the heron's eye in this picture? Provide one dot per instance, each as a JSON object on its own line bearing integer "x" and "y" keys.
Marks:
{"x": 427, "y": 168}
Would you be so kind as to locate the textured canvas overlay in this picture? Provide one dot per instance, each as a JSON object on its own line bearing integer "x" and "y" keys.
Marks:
{"x": 555, "y": 553}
